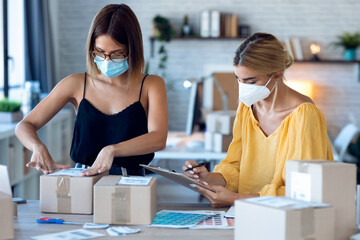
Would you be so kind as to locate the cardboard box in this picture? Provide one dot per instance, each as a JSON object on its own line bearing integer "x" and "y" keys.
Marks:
{"x": 6, "y": 205}
{"x": 217, "y": 142}
{"x": 280, "y": 218}
{"x": 327, "y": 182}
{"x": 230, "y": 86}
{"x": 124, "y": 204}
{"x": 220, "y": 122}
{"x": 67, "y": 194}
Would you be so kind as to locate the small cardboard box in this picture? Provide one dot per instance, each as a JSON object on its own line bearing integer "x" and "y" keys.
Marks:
{"x": 217, "y": 142}
{"x": 124, "y": 204}
{"x": 67, "y": 193}
{"x": 326, "y": 182}
{"x": 6, "y": 205}
{"x": 280, "y": 218}
{"x": 220, "y": 122}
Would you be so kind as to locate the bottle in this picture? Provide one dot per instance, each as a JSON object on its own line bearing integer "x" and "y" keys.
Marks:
{"x": 31, "y": 95}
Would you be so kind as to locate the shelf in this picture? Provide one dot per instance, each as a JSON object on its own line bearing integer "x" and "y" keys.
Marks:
{"x": 328, "y": 61}
{"x": 186, "y": 38}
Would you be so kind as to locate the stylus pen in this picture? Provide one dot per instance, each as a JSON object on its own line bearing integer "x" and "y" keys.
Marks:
{"x": 200, "y": 165}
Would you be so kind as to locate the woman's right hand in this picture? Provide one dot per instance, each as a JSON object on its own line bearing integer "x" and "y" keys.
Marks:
{"x": 198, "y": 173}
{"x": 42, "y": 161}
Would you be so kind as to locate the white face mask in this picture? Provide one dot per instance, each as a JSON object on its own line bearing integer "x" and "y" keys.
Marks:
{"x": 250, "y": 94}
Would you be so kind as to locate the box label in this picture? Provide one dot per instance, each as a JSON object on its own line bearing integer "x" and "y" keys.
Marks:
{"x": 300, "y": 186}
{"x": 135, "y": 181}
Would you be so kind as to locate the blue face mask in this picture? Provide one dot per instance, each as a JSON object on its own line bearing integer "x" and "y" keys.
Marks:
{"x": 112, "y": 69}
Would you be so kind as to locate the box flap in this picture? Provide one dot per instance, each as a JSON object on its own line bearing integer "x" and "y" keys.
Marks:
{"x": 4, "y": 180}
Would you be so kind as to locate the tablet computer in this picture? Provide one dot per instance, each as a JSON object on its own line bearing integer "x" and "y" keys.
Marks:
{"x": 176, "y": 177}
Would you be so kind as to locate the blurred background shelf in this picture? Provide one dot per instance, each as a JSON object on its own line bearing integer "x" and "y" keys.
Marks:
{"x": 56, "y": 135}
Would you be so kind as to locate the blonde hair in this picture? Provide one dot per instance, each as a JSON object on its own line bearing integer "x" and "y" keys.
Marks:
{"x": 263, "y": 53}
{"x": 119, "y": 22}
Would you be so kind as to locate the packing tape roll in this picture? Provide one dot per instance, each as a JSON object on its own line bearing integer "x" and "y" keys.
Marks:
{"x": 63, "y": 194}
{"x": 120, "y": 205}
{"x": 307, "y": 222}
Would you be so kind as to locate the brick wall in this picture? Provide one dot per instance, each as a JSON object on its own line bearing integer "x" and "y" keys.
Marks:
{"x": 337, "y": 86}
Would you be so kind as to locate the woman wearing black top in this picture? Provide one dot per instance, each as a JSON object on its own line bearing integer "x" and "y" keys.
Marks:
{"x": 122, "y": 115}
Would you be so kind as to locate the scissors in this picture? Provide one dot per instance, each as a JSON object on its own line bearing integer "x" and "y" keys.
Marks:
{"x": 56, "y": 221}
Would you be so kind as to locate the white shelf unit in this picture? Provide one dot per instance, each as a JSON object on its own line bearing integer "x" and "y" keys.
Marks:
{"x": 56, "y": 135}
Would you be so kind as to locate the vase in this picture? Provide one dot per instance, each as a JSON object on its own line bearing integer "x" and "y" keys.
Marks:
{"x": 350, "y": 54}
{"x": 10, "y": 117}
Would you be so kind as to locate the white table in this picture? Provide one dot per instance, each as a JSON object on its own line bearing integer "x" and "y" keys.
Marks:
{"x": 25, "y": 225}
{"x": 182, "y": 151}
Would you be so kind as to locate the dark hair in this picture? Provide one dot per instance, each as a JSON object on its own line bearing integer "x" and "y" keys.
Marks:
{"x": 263, "y": 53}
{"x": 119, "y": 22}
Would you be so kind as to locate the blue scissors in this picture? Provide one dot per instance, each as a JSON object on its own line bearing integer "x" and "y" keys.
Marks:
{"x": 55, "y": 220}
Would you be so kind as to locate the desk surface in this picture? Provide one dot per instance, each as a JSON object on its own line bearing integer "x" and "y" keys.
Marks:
{"x": 25, "y": 225}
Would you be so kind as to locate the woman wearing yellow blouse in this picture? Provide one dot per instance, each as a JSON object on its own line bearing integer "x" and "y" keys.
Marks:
{"x": 273, "y": 124}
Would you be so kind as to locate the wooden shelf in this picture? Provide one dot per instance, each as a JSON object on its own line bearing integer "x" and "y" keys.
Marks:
{"x": 185, "y": 38}
{"x": 201, "y": 38}
{"x": 328, "y": 61}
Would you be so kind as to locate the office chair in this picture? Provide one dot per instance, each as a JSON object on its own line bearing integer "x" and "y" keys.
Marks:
{"x": 343, "y": 141}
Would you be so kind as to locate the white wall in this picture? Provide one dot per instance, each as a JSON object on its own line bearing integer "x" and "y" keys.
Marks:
{"x": 337, "y": 86}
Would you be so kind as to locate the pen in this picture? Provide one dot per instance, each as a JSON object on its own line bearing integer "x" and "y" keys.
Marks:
{"x": 200, "y": 165}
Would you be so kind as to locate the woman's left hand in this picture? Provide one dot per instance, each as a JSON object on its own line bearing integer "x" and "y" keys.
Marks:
{"x": 223, "y": 197}
{"x": 102, "y": 162}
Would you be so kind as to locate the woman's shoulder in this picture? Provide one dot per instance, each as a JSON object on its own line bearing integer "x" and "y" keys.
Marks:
{"x": 73, "y": 80}
{"x": 153, "y": 82}
{"x": 153, "y": 79}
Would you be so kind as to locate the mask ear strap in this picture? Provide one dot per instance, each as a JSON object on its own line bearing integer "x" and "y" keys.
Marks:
{"x": 269, "y": 79}
{"x": 273, "y": 87}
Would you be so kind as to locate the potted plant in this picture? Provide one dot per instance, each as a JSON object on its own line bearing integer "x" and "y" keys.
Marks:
{"x": 10, "y": 111}
{"x": 163, "y": 33}
{"x": 349, "y": 42}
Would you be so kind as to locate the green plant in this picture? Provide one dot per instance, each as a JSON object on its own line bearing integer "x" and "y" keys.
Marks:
{"x": 163, "y": 28}
{"x": 163, "y": 33}
{"x": 9, "y": 106}
{"x": 348, "y": 40}
{"x": 186, "y": 20}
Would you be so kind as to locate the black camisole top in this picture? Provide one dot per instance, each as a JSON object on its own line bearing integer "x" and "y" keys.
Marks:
{"x": 94, "y": 130}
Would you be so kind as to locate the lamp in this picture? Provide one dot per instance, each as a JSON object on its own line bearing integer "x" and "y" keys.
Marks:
{"x": 305, "y": 87}
{"x": 315, "y": 49}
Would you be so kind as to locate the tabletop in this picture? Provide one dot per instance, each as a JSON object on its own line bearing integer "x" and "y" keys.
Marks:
{"x": 25, "y": 225}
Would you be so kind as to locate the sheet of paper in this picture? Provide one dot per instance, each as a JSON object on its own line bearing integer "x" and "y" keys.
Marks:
{"x": 135, "y": 180}
{"x": 70, "y": 235}
{"x": 280, "y": 202}
{"x": 301, "y": 186}
{"x": 217, "y": 221}
{"x": 121, "y": 231}
{"x": 95, "y": 226}
{"x": 73, "y": 172}
{"x": 4, "y": 180}
{"x": 178, "y": 219}
{"x": 231, "y": 212}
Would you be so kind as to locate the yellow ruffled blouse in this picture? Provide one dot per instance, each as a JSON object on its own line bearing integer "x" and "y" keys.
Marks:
{"x": 255, "y": 163}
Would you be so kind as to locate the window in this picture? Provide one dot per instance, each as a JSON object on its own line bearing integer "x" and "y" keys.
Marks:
{"x": 13, "y": 19}
{"x": 16, "y": 48}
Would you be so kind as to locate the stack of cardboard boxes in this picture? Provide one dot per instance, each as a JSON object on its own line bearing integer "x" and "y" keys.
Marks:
{"x": 319, "y": 204}
{"x": 110, "y": 201}
{"x": 7, "y": 206}
{"x": 219, "y": 126}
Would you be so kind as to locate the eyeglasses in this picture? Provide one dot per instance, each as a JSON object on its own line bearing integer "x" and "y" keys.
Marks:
{"x": 115, "y": 57}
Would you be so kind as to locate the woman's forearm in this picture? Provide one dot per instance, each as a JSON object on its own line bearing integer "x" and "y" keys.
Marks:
{"x": 216, "y": 178}
{"x": 144, "y": 144}
{"x": 27, "y": 135}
